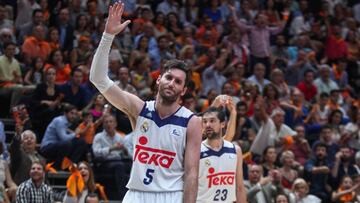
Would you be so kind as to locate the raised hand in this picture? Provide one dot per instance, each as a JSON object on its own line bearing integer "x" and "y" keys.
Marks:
{"x": 113, "y": 24}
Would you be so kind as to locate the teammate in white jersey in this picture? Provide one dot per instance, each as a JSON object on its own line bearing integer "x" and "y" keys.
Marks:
{"x": 167, "y": 136}
{"x": 220, "y": 174}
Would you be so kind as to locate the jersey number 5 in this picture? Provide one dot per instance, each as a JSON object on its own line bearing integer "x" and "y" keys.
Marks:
{"x": 220, "y": 195}
{"x": 149, "y": 176}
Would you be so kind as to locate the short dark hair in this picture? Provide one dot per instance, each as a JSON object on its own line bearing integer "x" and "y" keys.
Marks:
{"x": 36, "y": 11}
{"x": 177, "y": 64}
{"x": 241, "y": 103}
{"x": 309, "y": 71}
{"x": 8, "y": 44}
{"x": 220, "y": 114}
{"x": 69, "y": 107}
{"x": 319, "y": 144}
{"x": 324, "y": 127}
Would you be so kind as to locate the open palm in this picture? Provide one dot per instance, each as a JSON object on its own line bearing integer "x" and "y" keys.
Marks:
{"x": 113, "y": 23}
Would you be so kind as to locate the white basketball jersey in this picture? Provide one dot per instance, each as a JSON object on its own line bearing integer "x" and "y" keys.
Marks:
{"x": 217, "y": 174}
{"x": 159, "y": 148}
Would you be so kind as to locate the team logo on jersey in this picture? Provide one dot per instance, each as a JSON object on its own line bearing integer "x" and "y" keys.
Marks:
{"x": 207, "y": 163}
{"x": 152, "y": 156}
{"x": 144, "y": 127}
{"x": 175, "y": 132}
{"x": 220, "y": 178}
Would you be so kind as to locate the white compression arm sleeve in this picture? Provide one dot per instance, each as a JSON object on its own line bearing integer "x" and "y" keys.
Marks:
{"x": 100, "y": 64}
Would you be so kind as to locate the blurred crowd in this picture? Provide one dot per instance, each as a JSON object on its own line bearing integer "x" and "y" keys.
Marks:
{"x": 289, "y": 70}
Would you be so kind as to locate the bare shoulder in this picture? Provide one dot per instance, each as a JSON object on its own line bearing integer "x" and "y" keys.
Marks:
{"x": 238, "y": 151}
{"x": 194, "y": 124}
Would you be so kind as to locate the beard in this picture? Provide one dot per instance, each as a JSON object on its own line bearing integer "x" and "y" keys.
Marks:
{"x": 211, "y": 134}
{"x": 168, "y": 98}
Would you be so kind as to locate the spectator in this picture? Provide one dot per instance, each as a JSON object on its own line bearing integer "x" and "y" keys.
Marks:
{"x": 142, "y": 49}
{"x": 352, "y": 130}
{"x": 272, "y": 132}
{"x": 4, "y": 21}
{"x": 161, "y": 53}
{"x": 317, "y": 172}
{"x": 66, "y": 30}
{"x": 124, "y": 80}
{"x": 327, "y": 138}
{"x": 35, "y": 189}
{"x": 346, "y": 191}
{"x": 23, "y": 153}
{"x": 10, "y": 75}
{"x": 59, "y": 141}
{"x": 269, "y": 157}
{"x": 278, "y": 80}
{"x": 288, "y": 171}
{"x": 299, "y": 194}
{"x": 207, "y": 35}
{"x": 35, "y": 45}
{"x": 45, "y": 102}
{"x": 343, "y": 166}
{"x": 212, "y": 77}
{"x": 307, "y": 87}
{"x": 26, "y": 29}
{"x": 173, "y": 24}
{"x": 168, "y": 6}
{"x": 73, "y": 91}
{"x": 261, "y": 189}
{"x": 34, "y": 76}
{"x": 258, "y": 78}
{"x": 87, "y": 175}
{"x": 259, "y": 38}
{"x": 62, "y": 68}
{"x": 53, "y": 38}
{"x": 110, "y": 152}
{"x": 324, "y": 83}
{"x": 300, "y": 147}
{"x": 80, "y": 54}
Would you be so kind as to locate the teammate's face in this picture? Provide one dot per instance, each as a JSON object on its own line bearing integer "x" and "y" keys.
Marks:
{"x": 211, "y": 125}
{"x": 171, "y": 85}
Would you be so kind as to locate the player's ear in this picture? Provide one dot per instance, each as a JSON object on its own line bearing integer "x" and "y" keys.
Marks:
{"x": 158, "y": 80}
{"x": 184, "y": 91}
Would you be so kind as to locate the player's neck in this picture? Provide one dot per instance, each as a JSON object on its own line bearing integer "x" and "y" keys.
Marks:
{"x": 215, "y": 144}
{"x": 164, "y": 109}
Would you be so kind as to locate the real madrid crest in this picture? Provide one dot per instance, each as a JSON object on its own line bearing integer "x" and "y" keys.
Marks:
{"x": 144, "y": 127}
{"x": 207, "y": 163}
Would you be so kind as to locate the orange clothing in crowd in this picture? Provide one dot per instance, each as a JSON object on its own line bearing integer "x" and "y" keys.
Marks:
{"x": 35, "y": 48}
{"x": 89, "y": 133}
{"x": 207, "y": 38}
{"x": 62, "y": 74}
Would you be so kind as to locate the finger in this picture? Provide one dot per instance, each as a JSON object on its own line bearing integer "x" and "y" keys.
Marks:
{"x": 121, "y": 9}
{"x": 118, "y": 9}
{"x": 126, "y": 23}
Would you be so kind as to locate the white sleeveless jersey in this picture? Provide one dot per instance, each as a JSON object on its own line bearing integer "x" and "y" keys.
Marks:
{"x": 217, "y": 174}
{"x": 159, "y": 148}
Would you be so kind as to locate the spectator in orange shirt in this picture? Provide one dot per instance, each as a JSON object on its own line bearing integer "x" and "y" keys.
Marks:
{"x": 207, "y": 35}
{"x": 86, "y": 129}
{"x": 35, "y": 45}
{"x": 63, "y": 69}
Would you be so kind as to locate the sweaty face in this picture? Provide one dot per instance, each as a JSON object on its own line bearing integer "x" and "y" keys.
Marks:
{"x": 171, "y": 85}
{"x": 211, "y": 125}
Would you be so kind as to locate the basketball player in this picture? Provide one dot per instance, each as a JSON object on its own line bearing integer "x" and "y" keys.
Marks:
{"x": 166, "y": 137}
{"x": 221, "y": 174}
